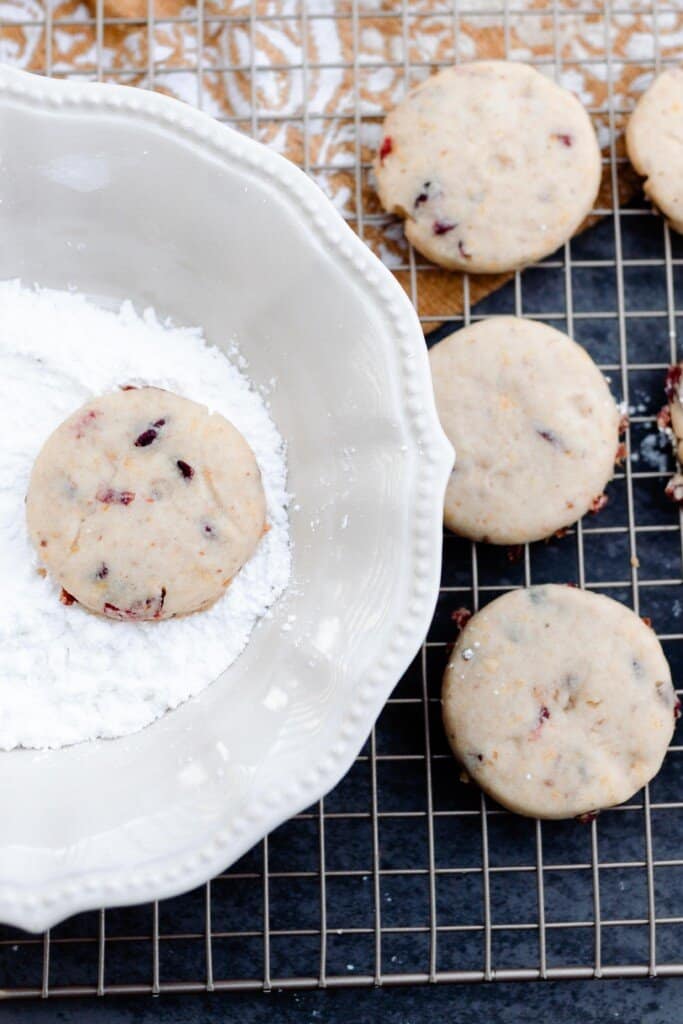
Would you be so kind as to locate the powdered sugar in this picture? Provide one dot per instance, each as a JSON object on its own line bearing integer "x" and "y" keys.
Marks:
{"x": 67, "y": 675}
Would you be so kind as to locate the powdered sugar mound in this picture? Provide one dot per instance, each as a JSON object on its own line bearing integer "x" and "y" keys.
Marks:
{"x": 67, "y": 675}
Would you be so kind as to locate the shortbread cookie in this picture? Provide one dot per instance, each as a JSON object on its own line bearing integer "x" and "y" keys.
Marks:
{"x": 534, "y": 427}
{"x": 654, "y": 141}
{"x": 558, "y": 701}
{"x": 492, "y": 165}
{"x": 143, "y": 505}
{"x": 672, "y": 416}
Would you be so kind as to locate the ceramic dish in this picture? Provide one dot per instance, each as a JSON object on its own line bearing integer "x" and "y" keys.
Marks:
{"x": 126, "y": 194}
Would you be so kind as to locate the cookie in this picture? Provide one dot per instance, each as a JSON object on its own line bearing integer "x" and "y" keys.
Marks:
{"x": 143, "y": 505}
{"x": 671, "y": 419}
{"x": 534, "y": 427}
{"x": 654, "y": 142}
{"x": 558, "y": 701}
{"x": 491, "y": 164}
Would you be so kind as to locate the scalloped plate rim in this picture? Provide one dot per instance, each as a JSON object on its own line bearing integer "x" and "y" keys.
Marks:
{"x": 44, "y": 906}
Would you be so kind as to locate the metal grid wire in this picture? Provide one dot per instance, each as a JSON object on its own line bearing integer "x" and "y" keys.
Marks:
{"x": 403, "y": 874}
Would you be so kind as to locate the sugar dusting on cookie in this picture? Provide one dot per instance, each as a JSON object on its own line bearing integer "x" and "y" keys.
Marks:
{"x": 65, "y": 674}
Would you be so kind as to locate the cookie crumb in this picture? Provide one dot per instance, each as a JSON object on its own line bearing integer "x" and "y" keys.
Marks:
{"x": 598, "y": 503}
{"x": 461, "y": 616}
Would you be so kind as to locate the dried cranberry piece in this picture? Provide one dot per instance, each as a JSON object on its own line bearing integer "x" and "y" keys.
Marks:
{"x": 672, "y": 385}
{"x": 139, "y": 609}
{"x": 186, "y": 470}
{"x": 442, "y": 227}
{"x": 102, "y": 572}
{"x": 85, "y": 421}
{"x": 66, "y": 598}
{"x": 209, "y": 530}
{"x": 110, "y": 496}
{"x": 385, "y": 148}
{"x": 624, "y": 422}
{"x": 128, "y": 387}
{"x": 543, "y": 716}
{"x": 463, "y": 251}
{"x": 677, "y": 709}
{"x": 428, "y": 191}
{"x": 587, "y": 817}
{"x": 621, "y": 454}
{"x": 146, "y": 437}
{"x": 564, "y": 138}
{"x": 646, "y": 620}
{"x": 551, "y": 437}
{"x": 461, "y": 616}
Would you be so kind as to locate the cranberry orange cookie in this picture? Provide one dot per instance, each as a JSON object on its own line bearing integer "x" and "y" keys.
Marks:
{"x": 143, "y": 505}
{"x": 492, "y": 165}
{"x": 654, "y": 141}
{"x": 534, "y": 427}
{"x": 671, "y": 419}
{"x": 558, "y": 701}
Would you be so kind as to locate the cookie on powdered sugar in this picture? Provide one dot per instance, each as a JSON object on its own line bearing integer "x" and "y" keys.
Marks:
{"x": 534, "y": 427}
{"x": 491, "y": 164}
{"x": 143, "y": 505}
{"x": 558, "y": 701}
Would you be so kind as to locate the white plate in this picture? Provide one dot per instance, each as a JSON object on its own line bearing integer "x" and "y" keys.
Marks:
{"x": 127, "y": 194}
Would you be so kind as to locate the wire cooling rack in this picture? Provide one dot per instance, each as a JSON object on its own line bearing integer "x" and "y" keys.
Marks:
{"x": 403, "y": 874}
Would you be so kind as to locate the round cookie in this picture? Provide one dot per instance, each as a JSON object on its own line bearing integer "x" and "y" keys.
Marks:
{"x": 654, "y": 142}
{"x": 492, "y": 165}
{"x": 558, "y": 701}
{"x": 143, "y": 505}
{"x": 674, "y": 394}
{"x": 534, "y": 427}
{"x": 673, "y": 424}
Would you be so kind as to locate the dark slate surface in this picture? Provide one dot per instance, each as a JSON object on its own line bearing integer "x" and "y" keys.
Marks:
{"x": 624, "y": 1002}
